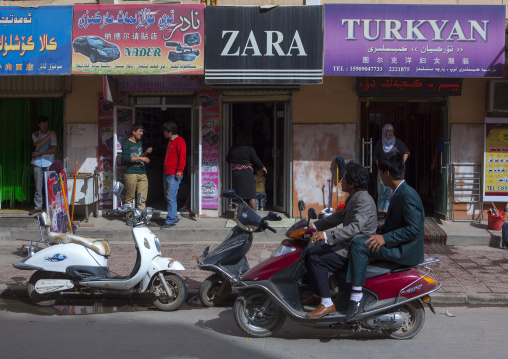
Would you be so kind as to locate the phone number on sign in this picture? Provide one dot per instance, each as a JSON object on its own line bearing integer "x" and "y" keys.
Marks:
{"x": 366, "y": 68}
{"x": 398, "y": 69}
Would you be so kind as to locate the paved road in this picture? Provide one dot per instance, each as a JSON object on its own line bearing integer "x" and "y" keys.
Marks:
{"x": 193, "y": 332}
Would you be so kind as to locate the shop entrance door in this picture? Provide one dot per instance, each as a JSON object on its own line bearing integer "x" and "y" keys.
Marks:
{"x": 124, "y": 118}
{"x": 422, "y": 126}
{"x": 152, "y": 117}
{"x": 267, "y": 123}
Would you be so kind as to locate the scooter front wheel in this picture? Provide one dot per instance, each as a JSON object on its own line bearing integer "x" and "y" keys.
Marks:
{"x": 164, "y": 301}
{"x": 44, "y": 300}
{"x": 413, "y": 315}
{"x": 253, "y": 319}
{"x": 209, "y": 290}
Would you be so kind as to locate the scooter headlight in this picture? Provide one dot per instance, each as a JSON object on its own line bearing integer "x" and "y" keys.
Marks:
{"x": 148, "y": 213}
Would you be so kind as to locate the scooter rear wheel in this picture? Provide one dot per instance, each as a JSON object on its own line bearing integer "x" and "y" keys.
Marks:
{"x": 161, "y": 299}
{"x": 250, "y": 321}
{"x": 414, "y": 314}
{"x": 44, "y": 300}
{"x": 208, "y": 292}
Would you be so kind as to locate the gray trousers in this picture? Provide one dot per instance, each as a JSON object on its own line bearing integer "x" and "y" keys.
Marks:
{"x": 39, "y": 185}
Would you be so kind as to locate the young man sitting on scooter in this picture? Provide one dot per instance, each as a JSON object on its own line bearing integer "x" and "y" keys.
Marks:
{"x": 359, "y": 219}
{"x": 401, "y": 238}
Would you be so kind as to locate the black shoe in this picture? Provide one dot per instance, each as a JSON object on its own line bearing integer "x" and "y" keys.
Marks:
{"x": 341, "y": 304}
{"x": 355, "y": 308}
{"x": 169, "y": 225}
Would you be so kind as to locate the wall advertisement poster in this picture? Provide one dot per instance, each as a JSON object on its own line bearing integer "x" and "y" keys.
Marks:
{"x": 210, "y": 150}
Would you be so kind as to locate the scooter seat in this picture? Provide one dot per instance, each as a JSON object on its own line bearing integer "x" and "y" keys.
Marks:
{"x": 378, "y": 268}
{"x": 98, "y": 245}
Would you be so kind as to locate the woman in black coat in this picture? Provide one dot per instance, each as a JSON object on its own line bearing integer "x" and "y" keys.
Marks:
{"x": 242, "y": 157}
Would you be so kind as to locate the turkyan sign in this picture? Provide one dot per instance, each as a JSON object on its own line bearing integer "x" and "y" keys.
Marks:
{"x": 138, "y": 39}
{"x": 35, "y": 41}
{"x": 415, "y": 40}
{"x": 252, "y": 45}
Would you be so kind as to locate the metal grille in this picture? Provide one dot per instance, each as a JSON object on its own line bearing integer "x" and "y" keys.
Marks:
{"x": 467, "y": 190}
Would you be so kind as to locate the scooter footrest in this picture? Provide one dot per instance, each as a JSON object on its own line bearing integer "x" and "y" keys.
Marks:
{"x": 87, "y": 273}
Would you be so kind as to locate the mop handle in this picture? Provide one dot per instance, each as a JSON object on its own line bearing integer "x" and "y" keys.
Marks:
{"x": 329, "y": 195}
{"x": 65, "y": 201}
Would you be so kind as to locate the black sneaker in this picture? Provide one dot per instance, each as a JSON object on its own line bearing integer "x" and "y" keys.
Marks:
{"x": 169, "y": 225}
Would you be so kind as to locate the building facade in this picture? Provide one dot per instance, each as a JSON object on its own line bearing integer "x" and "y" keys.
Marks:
{"x": 299, "y": 123}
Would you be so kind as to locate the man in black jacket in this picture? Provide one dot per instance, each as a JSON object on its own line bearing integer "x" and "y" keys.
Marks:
{"x": 401, "y": 238}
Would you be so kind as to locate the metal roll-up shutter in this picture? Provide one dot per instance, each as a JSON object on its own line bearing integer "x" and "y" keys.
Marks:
{"x": 34, "y": 86}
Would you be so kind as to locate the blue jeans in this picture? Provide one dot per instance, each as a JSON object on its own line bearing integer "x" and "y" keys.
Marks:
{"x": 383, "y": 195}
{"x": 261, "y": 200}
{"x": 171, "y": 185}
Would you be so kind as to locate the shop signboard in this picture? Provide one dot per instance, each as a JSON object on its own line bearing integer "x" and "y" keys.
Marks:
{"x": 249, "y": 44}
{"x": 495, "y": 166}
{"x": 138, "y": 39}
{"x": 35, "y": 41}
{"x": 408, "y": 86}
{"x": 209, "y": 101}
{"x": 414, "y": 40}
{"x": 159, "y": 83}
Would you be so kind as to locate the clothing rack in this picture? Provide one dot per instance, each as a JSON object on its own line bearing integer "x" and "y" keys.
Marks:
{"x": 467, "y": 189}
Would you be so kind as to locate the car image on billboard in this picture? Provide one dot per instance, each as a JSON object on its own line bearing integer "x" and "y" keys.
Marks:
{"x": 96, "y": 49}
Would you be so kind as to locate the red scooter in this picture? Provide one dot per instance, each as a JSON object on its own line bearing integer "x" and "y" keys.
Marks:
{"x": 270, "y": 291}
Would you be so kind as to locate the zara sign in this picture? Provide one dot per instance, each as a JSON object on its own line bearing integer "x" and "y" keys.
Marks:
{"x": 282, "y": 45}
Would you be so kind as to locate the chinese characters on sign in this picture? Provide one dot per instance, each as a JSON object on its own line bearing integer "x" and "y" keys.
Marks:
{"x": 408, "y": 40}
{"x": 495, "y": 165}
{"x": 137, "y": 39}
{"x": 35, "y": 41}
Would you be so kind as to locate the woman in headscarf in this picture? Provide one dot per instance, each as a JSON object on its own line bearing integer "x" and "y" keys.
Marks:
{"x": 388, "y": 143}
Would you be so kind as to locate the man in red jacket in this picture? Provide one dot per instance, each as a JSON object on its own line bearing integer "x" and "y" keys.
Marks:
{"x": 174, "y": 163}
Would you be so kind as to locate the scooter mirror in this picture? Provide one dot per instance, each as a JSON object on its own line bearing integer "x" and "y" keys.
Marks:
{"x": 118, "y": 188}
{"x": 231, "y": 194}
{"x": 271, "y": 216}
{"x": 301, "y": 206}
{"x": 45, "y": 220}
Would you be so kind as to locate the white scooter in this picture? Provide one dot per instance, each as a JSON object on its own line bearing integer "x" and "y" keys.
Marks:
{"x": 74, "y": 263}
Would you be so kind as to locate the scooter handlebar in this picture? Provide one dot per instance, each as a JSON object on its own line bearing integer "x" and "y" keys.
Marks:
{"x": 271, "y": 229}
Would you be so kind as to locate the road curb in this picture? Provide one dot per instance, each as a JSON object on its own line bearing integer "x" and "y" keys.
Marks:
{"x": 437, "y": 298}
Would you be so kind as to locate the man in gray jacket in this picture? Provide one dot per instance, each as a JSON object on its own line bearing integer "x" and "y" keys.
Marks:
{"x": 359, "y": 219}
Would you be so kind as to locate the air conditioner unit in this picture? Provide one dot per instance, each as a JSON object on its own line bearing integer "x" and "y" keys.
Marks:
{"x": 498, "y": 96}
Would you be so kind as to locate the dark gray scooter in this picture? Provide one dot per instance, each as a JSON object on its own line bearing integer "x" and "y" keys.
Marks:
{"x": 228, "y": 260}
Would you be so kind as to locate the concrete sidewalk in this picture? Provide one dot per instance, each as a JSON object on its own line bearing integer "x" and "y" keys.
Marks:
{"x": 473, "y": 268}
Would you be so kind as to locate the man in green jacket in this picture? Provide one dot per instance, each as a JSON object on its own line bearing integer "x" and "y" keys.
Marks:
{"x": 135, "y": 174}
{"x": 401, "y": 238}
